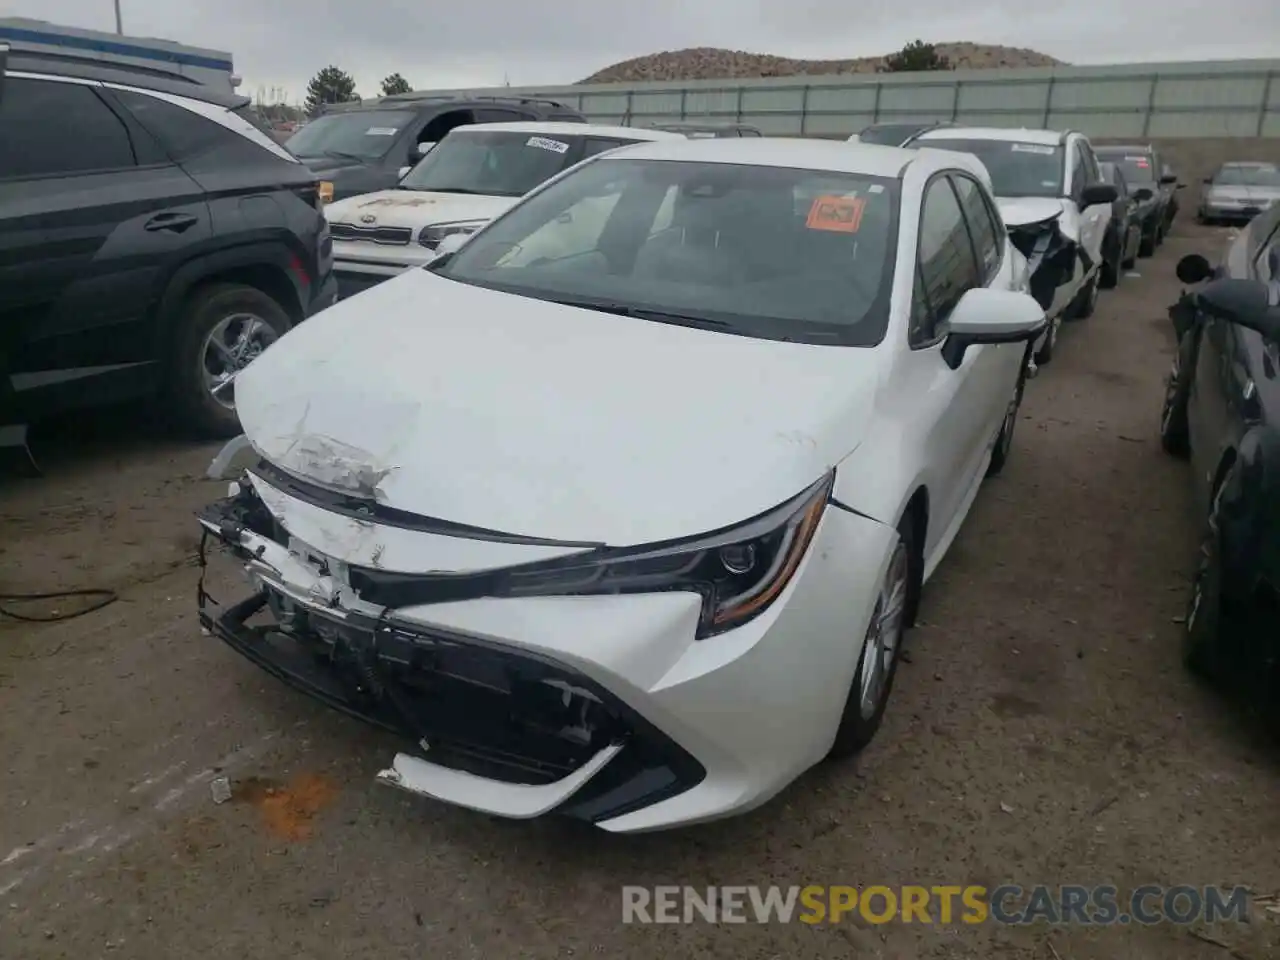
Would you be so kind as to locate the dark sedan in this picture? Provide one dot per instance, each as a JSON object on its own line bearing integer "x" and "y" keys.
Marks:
{"x": 1142, "y": 168}
{"x": 1124, "y": 232}
{"x": 1222, "y": 412}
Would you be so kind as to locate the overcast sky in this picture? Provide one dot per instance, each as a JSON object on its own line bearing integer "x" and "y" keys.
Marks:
{"x": 281, "y": 43}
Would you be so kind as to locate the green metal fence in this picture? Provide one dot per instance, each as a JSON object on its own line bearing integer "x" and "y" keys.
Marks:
{"x": 1210, "y": 99}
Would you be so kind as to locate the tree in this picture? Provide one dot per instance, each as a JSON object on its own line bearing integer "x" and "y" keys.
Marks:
{"x": 914, "y": 57}
{"x": 330, "y": 85}
{"x": 395, "y": 84}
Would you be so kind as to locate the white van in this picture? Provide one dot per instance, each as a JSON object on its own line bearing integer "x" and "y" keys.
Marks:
{"x": 475, "y": 173}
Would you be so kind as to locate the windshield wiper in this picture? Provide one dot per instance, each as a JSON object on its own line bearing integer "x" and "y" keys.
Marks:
{"x": 476, "y": 193}
{"x": 642, "y": 313}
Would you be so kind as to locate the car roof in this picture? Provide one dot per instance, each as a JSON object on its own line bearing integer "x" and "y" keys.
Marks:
{"x": 143, "y": 78}
{"x": 1008, "y": 134}
{"x": 833, "y": 156}
{"x": 567, "y": 128}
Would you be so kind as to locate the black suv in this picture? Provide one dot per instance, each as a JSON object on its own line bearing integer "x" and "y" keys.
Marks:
{"x": 366, "y": 145}
{"x": 153, "y": 240}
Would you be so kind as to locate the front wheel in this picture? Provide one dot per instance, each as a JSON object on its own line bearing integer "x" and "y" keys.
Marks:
{"x": 1111, "y": 267}
{"x": 1087, "y": 302}
{"x": 881, "y": 649}
{"x": 1175, "y": 433}
{"x": 224, "y": 327}
{"x": 1205, "y": 621}
{"x": 1004, "y": 440}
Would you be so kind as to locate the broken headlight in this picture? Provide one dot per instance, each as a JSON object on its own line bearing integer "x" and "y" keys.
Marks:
{"x": 738, "y": 571}
{"x": 430, "y": 237}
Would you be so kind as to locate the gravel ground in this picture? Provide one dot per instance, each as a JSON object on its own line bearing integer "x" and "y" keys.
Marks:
{"x": 1042, "y": 732}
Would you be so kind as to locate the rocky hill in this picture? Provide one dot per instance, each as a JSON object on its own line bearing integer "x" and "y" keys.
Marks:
{"x": 713, "y": 63}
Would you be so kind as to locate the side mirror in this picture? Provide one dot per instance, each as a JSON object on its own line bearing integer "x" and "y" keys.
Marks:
{"x": 1142, "y": 194}
{"x": 984, "y": 315}
{"x": 422, "y": 149}
{"x": 1168, "y": 178}
{"x": 1095, "y": 194}
{"x": 1193, "y": 268}
{"x": 1243, "y": 302}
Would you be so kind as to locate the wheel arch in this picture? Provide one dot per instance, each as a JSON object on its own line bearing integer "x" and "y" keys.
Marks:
{"x": 269, "y": 267}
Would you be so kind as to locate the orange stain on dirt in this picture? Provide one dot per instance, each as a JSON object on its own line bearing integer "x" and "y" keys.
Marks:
{"x": 289, "y": 810}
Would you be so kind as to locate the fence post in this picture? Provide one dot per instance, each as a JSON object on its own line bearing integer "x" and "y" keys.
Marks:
{"x": 740, "y": 90}
{"x": 630, "y": 108}
{"x": 1266, "y": 101}
{"x": 875, "y": 107}
{"x": 955, "y": 100}
{"x": 804, "y": 108}
{"x": 1048, "y": 101}
{"x": 1151, "y": 104}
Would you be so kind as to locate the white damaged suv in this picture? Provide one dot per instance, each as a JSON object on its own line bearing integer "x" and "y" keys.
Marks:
{"x": 471, "y": 176}
{"x": 1055, "y": 204}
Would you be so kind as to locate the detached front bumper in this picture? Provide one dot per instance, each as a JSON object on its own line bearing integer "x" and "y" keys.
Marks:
{"x": 603, "y": 708}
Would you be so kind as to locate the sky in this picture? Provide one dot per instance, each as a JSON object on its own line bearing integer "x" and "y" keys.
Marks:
{"x": 280, "y": 44}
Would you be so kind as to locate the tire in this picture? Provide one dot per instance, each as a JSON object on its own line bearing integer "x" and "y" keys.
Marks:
{"x": 1174, "y": 431}
{"x": 1109, "y": 272}
{"x": 1147, "y": 245}
{"x": 864, "y": 708}
{"x": 1045, "y": 353}
{"x": 1206, "y": 622}
{"x": 1086, "y": 301}
{"x": 227, "y": 310}
{"x": 1004, "y": 439}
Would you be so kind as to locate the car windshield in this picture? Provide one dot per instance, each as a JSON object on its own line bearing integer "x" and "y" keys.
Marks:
{"x": 364, "y": 135}
{"x": 494, "y": 163}
{"x": 770, "y": 252}
{"x": 1017, "y": 169}
{"x": 1137, "y": 167}
{"x": 1262, "y": 175}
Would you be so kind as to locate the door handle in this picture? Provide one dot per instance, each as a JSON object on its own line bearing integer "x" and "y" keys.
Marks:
{"x": 175, "y": 222}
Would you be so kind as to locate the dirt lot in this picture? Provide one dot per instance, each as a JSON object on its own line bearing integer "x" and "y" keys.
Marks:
{"x": 1042, "y": 732}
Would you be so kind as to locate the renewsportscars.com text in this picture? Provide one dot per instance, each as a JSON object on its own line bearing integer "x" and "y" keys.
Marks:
{"x": 972, "y": 904}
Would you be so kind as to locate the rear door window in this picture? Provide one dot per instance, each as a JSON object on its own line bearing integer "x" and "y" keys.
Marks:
{"x": 49, "y": 128}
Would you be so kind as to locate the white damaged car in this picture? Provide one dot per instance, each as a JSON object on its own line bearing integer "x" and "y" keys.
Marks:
{"x": 1056, "y": 204}
{"x": 632, "y": 532}
{"x": 475, "y": 173}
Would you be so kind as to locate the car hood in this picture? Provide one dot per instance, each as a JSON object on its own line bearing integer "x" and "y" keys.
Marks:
{"x": 1243, "y": 194}
{"x": 1020, "y": 211}
{"x": 416, "y": 208}
{"x": 531, "y": 418}
{"x": 331, "y": 165}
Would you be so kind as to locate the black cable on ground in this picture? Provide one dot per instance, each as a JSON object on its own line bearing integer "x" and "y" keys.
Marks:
{"x": 104, "y": 599}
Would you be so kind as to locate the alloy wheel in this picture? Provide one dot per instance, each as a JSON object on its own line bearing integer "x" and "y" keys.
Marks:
{"x": 884, "y": 635}
{"x": 233, "y": 343}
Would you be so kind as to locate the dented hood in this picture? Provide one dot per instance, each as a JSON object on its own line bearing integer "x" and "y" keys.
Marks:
{"x": 1023, "y": 211}
{"x": 416, "y": 208}
{"x": 527, "y": 417}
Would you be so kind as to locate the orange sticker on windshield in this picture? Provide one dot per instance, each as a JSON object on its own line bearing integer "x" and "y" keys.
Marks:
{"x": 837, "y": 214}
